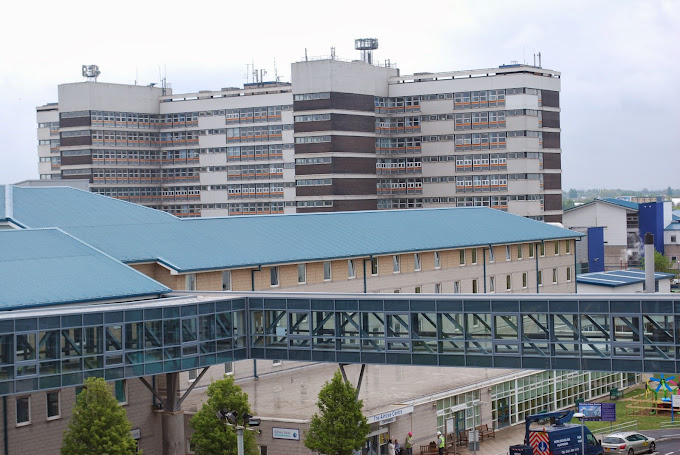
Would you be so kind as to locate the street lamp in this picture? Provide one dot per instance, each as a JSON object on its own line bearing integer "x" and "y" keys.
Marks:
{"x": 231, "y": 419}
{"x": 581, "y": 416}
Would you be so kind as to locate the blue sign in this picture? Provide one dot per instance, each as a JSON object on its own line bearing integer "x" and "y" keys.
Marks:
{"x": 598, "y": 411}
{"x": 543, "y": 446}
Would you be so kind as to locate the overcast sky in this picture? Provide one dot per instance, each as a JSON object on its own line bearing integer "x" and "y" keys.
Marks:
{"x": 619, "y": 59}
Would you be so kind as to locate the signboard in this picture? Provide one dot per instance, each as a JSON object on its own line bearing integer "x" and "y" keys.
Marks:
{"x": 609, "y": 412}
{"x": 675, "y": 400}
{"x": 136, "y": 433}
{"x": 598, "y": 411}
{"x": 390, "y": 414}
{"x": 292, "y": 434}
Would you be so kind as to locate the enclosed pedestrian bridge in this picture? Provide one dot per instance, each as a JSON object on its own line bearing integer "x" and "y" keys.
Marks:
{"x": 56, "y": 347}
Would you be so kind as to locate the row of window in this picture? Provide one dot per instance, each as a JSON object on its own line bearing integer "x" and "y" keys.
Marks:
{"x": 506, "y": 281}
{"x": 255, "y": 114}
{"x": 464, "y": 254}
{"x": 255, "y": 191}
{"x": 139, "y": 157}
{"x": 53, "y": 403}
{"x": 475, "y": 141}
{"x": 139, "y": 175}
{"x": 496, "y": 202}
{"x": 259, "y": 208}
{"x": 256, "y": 133}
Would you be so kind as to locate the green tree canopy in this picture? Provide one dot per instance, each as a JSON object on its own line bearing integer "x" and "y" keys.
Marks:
{"x": 211, "y": 435}
{"x": 339, "y": 428}
{"x": 99, "y": 424}
{"x": 662, "y": 264}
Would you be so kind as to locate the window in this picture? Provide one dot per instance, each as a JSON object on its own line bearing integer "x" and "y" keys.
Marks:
{"x": 540, "y": 278}
{"x": 437, "y": 260}
{"x": 541, "y": 249}
{"x": 491, "y": 255}
{"x": 475, "y": 290}
{"x": 474, "y": 255}
{"x": 557, "y": 247}
{"x": 568, "y": 246}
{"x": 437, "y": 288}
{"x": 554, "y": 276}
{"x": 419, "y": 289}
{"x": 492, "y": 284}
{"x": 351, "y": 269}
{"x": 519, "y": 251}
{"x": 374, "y": 266}
{"x": 120, "y": 389}
{"x": 531, "y": 250}
{"x": 395, "y": 263}
{"x": 568, "y": 274}
{"x": 229, "y": 368}
{"x": 456, "y": 287}
{"x": 673, "y": 238}
{"x": 524, "y": 280}
{"x": 274, "y": 275}
{"x": 327, "y": 270}
{"x": 416, "y": 261}
{"x": 53, "y": 408}
{"x": 462, "y": 257}
{"x": 508, "y": 282}
{"x": 193, "y": 374}
{"x": 190, "y": 282}
{"x": 226, "y": 280}
{"x": 23, "y": 411}
{"x": 508, "y": 253}
{"x": 277, "y": 363}
{"x": 302, "y": 273}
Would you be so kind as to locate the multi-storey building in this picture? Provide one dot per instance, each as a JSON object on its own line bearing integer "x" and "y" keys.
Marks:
{"x": 341, "y": 136}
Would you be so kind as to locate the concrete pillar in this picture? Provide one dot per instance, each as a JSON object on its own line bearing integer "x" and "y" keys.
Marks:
{"x": 172, "y": 418}
{"x": 173, "y": 433}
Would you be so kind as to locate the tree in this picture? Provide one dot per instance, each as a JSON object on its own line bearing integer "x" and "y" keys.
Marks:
{"x": 211, "y": 435}
{"x": 662, "y": 264}
{"x": 573, "y": 194}
{"x": 99, "y": 424}
{"x": 339, "y": 428}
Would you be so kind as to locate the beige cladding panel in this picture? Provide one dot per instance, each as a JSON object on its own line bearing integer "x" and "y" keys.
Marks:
{"x": 85, "y": 96}
{"x": 344, "y": 77}
{"x": 475, "y": 83}
{"x": 227, "y": 102}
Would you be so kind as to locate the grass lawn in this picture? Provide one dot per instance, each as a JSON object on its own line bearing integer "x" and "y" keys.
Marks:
{"x": 645, "y": 421}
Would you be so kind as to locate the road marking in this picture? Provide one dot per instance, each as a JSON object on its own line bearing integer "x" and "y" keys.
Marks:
{"x": 669, "y": 453}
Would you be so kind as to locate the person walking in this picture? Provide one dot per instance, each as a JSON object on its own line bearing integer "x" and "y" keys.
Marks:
{"x": 390, "y": 448}
{"x": 442, "y": 442}
{"x": 409, "y": 444}
{"x": 397, "y": 447}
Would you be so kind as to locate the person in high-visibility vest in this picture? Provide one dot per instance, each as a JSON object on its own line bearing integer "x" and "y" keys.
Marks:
{"x": 409, "y": 444}
{"x": 442, "y": 442}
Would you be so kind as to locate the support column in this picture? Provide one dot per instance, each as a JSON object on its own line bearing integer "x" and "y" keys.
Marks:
{"x": 172, "y": 418}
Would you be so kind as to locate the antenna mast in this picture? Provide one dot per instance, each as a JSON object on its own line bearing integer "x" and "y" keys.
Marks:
{"x": 366, "y": 46}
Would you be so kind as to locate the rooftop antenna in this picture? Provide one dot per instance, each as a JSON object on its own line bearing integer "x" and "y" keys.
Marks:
{"x": 276, "y": 72}
{"x": 306, "y": 59}
{"x": 247, "y": 73}
{"x": 539, "y": 59}
{"x": 91, "y": 72}
{"x": 366, "y": 46}
{"x": 333, "y": 53}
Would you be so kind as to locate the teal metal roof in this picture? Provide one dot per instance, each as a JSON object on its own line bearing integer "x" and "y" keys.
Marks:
{"x": 48, "y": 267}
{"x": 40, "y": 207}
{"x": 131, "y": 233}
{"x": 621, "y": 202}
{"x": 615, "y": 278}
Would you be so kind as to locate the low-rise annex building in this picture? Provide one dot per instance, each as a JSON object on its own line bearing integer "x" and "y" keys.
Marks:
{"x": 461, "y": 250}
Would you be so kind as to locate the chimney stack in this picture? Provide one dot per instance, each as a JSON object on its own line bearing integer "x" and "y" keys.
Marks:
{"x": 649, "y": 263}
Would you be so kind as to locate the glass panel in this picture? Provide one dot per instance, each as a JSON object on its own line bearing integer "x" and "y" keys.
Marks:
{"x": 153, "y": 334}
{"x": 565, "y": 327}
{"x": 49, "y": 345}
{"x": 658, "y": 328}
{"x": 324, "y": 329}
{"x": 171, "y": 332}
{"x": 506, "y": 328}
{"x": 189, "y": 330}
{"x": 207, "y": 327}
{"x": 25, "y": 347}
{"x": 114, "y": 338}
{"x": 298, "y": 323}
{"x": 373, "y": 324}
{"x": 134, "y": 335}
{"x": 397, "y": 325}
{"x": 626, "y": 328}
{"x": 223, "y": 325}
{"x": 478, "y": 325}
{"x": 276, "y": 328}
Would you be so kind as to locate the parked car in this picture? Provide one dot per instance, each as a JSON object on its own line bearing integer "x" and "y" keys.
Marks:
{"x": 628, "y": 443}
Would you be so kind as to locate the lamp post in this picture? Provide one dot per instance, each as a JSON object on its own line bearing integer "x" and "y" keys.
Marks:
{"x": 581, "y": 416}
{"x": 231, "y": 419}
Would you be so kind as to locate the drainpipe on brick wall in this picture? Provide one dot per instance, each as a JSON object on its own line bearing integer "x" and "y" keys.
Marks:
{"x": 536, "y": 246}
{"x": 252, "y": 288}
{"x": 370, "y": 258}
{"x": 4, "y": 425}
{"x": 573, "y": 275}
{"x": 484, "y": 263}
